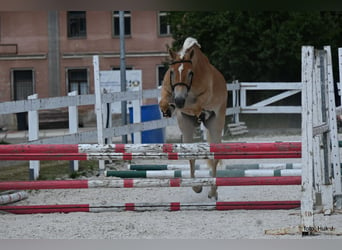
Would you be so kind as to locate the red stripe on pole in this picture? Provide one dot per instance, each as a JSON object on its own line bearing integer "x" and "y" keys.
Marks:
{"x": 172, "y": 156}
{"x": 251, "y": 181}
{"x": 30, "y": 185}
{"x": 257, "y": 155}
{"x": 175, "y": 182}
{"x": 257, "y": 205}
{"x": 33, "y": 148}
{"x": 44, "y": 156}
{"x": 129, "y": 206}
{"x": 128, "y": 183}
{"x": 167, "y": 148}
{"x": 119, "y": 148}
{"x": 175, "y": 206}
{"x": 255, "y": 147}
{"x": 35, "y": 209}
{"x": 127, "y": 156}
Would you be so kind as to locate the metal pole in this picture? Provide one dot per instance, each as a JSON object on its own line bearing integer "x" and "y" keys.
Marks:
{"x": 123, "y": 71}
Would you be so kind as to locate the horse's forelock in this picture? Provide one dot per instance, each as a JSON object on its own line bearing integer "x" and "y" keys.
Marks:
{"x": 188, "y": 44}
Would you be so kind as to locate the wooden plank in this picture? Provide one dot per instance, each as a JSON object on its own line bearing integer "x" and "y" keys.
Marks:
{"x": 73, "y": 127}
{"x": 245, "y": 131}
{"x": 33, "y": 127}
{"x": 91, "y": 136}
{"x": 276, "y": 98}
{"x": 233, "y": 86}
{"x": 307, "y": 219}
{"x": 231, "y": 125}
{"x": 233, "y": 111}
{"x": 272, "y": 110}
{"x": 45, "y": 103}
{"x": 320, "y": 129}
{"x": 234, "y": 129}
{"x": 340, "y": 70}
{"x": 271, "y": 85}
{"x": 335, "y": 155}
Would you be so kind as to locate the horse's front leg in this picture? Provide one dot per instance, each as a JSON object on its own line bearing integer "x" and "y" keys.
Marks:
{"x": 197, "y": 189}
{"x": 187, "y": 125}
{"x": 213, "y": 191}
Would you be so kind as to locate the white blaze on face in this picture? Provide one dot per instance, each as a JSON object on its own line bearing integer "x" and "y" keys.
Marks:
{"x": 180, "y": 70}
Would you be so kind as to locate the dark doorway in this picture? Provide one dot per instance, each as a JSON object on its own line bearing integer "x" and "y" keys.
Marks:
{"x": 22, "y": 87}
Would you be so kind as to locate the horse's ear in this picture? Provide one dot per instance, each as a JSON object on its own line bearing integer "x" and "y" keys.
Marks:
{"x": 172, "y": 54}
{"x": 192, "y": 52}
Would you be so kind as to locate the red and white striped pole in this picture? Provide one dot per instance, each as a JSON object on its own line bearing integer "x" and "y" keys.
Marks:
{"x": 144, "y": 183}
{"x": 172, "y": 206}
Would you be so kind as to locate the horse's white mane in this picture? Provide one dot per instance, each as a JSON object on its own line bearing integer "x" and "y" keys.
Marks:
{"x": 188, "y": 43}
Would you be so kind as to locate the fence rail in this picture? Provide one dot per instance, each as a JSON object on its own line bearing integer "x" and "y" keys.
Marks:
{"x": 239, "y": 90}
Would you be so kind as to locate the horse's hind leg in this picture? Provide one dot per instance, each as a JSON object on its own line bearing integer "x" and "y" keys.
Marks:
{"x": 187, "y": 125}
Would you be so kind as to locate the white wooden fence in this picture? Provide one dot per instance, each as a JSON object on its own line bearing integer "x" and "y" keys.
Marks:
{"x": 73, "y": 100}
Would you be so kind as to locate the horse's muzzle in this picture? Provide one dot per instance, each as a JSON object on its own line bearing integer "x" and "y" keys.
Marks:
{"x": 179, "y": 101}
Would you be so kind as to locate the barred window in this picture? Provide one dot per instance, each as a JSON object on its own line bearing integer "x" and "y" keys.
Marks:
{"x": 116, "y": 23}
{"x": 77, "y": 25}
{"x": 78, "y": 81}
{"x": 163, "y": 23}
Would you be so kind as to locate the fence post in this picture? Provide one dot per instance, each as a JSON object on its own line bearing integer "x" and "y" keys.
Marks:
{"x": 340, "y": 73}
{"x": 98, "y": 108}
{"x": 335, "y": 155}
{"x": 33, "y": 129}
{"x": 236, "y": 101}
{"x": 73, "y": 128}
{"x": 136, "y": 108}
{"x": 307, "y": 219}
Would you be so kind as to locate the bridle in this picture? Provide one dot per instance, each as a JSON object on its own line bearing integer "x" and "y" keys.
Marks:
{"x": 181, "y": 83}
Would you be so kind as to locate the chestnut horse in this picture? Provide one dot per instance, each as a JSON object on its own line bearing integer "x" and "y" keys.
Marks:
{"x": 195, "y": 91}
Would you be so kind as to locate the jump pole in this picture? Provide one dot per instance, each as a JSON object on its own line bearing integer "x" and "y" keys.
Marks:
{"x": 257, "y": 166}
{"x": 145, "y": 183}
{"x": 150, "y": 156}
{"x": 10, "y": 197}
{"x": 172, "y": 206}
{"x": 151, "y": 148}
{"x": 201, "y": 173}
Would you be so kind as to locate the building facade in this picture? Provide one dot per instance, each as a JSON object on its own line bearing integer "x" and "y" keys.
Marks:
{"x": 50, "y": 52}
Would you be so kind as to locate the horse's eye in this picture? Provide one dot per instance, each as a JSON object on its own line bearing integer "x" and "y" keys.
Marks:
{"x": 171, "y": 75}
{"x": 190, "y": 76}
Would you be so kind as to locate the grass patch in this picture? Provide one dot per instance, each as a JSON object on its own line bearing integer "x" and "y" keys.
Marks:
{"x": 49, "y": 170}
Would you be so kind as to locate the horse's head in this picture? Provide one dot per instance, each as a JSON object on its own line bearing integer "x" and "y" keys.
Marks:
{"x": 181, "y": 73}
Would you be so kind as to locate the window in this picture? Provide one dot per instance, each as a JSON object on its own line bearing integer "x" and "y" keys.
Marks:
{"x": 78, "y": 81}
{"x": 116, "y": 23}
{"x": 77, "y": 27}
{"x": 23, "y": 84}
{"x": 163, "y": 23}
{"x": 161, "y": 70}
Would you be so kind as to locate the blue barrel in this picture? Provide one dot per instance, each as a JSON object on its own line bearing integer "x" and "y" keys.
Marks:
{"x": 149, "y": 113}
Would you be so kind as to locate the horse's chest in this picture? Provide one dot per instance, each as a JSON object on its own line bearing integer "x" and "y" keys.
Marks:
{"x": 191, "y": 99}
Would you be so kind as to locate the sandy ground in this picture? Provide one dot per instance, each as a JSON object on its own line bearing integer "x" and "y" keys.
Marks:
{"x": 236, "y": 224}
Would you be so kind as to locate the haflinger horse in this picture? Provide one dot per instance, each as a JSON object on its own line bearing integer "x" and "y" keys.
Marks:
{"x": 195, "y": 91}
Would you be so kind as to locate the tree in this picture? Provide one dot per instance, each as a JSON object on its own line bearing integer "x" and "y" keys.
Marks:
{"x": 258, "y": 46}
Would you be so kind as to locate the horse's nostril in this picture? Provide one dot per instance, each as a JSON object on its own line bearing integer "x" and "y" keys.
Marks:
{"x": 180, "y": 102}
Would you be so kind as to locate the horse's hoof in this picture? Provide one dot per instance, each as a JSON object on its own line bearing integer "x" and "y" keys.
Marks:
{"x": 213, "y": 196}
{"x": 197, "y": 189}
